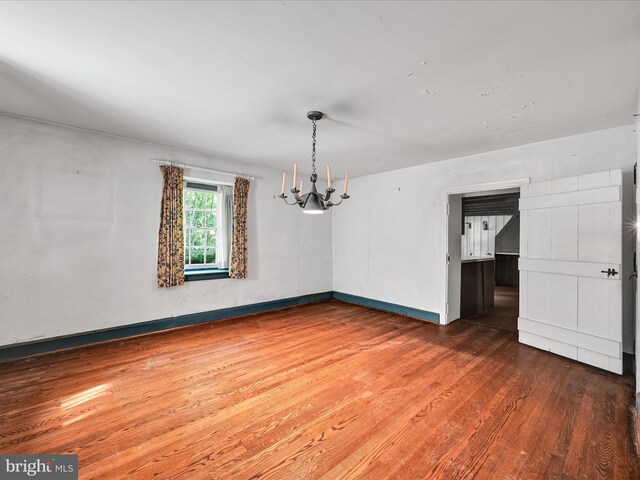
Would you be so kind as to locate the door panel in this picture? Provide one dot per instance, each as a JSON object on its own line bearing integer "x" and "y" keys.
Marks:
{"x": 524, "y": 227}
{"x": 539, "y": 239}
{"x": 615, "y": 232}
{"x": 594, "y": 180}
{"x": 615, "y": 312}
{"x": 585, "y": 197}
{"x": 571, "y": 250}
{"x": 593, "y": 306}
{"x": 561, "y": 185}
{"x": 581, "y": 269}
{"x": 604, "y": 346}
{"x": 564, "y": 233}
{"x": 593, "y": 223}
{"x": 561, "y": 292}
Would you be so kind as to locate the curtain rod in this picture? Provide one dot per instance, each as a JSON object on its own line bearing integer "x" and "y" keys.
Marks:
{"x": 160, "y": 161}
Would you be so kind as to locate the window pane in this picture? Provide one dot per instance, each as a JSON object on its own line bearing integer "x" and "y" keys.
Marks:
{"x": 198, "y": 219}
{"x": 211, "y": 239}
{"x": 210, "y": 200}
{"x": 200, "y": 216}
{"x": 197, "y": 256}
{"x": 197, "y": 238}
{"x": 211, "y": 219}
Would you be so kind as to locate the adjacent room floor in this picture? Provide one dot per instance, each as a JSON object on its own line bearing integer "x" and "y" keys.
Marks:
{"x": 326, "y": 390}
{"x": 504, "y": 313}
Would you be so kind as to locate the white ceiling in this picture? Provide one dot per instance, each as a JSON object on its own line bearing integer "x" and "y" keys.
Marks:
{"x": 402, "y": 83}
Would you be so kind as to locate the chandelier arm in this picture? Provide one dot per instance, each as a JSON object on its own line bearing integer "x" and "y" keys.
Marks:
{"x": 343, "y": 197}
{"x": 298, "y": 198}
{"x": 285, "y": 200}
{"x": 327, "y": 196}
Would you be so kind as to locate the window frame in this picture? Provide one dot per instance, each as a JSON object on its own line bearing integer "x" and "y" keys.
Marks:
{"x": 197, "y": 269}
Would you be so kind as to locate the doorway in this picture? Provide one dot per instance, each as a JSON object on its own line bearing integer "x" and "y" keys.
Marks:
{"x": 490, "y": 238}
{"x": 482, "y": 241}
{"x": 570, "y": 264}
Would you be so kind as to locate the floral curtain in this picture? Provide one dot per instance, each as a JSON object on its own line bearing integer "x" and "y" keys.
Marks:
{"x": 226, "y": 225}
{"x": 171, "y": 236}
{"x": 239, "y": 255}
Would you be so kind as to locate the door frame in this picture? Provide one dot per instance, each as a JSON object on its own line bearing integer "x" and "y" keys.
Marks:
{"x": 636, "y": 293}
{"x": 458, "y": 190}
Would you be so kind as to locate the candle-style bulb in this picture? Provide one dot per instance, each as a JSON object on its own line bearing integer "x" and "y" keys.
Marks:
{"x": 295, "y": 175}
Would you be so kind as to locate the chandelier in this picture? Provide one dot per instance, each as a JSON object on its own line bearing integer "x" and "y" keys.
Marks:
{"x": 313, "y": 202}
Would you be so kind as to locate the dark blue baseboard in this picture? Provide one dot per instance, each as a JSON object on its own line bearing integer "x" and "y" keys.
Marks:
{"x": 388, "y": 307}
{"x": 27, "y": 349}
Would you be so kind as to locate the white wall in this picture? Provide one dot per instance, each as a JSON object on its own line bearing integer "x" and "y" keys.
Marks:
{"x": 388, "y": 238}
{"x": 78, "y": 235}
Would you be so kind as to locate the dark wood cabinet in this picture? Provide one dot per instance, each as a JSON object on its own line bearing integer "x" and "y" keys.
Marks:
{"x": 507, "y": 274}
{"x": 477, "y": 286}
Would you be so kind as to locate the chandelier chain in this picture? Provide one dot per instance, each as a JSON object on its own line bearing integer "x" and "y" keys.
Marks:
{"x": 313, "y": 148}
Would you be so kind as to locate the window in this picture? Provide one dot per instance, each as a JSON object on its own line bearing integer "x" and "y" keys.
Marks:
{"x": 204, "y": 227}
{"x": 201, "y": 225}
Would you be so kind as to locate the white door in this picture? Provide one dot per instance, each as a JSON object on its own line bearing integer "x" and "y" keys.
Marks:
{"x": 570, "y": 263}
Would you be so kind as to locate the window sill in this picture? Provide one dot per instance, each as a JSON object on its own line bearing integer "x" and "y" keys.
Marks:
{"x": 205, "y": 274}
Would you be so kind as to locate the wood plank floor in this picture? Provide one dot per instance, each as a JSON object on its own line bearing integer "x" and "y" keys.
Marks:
{"x": 504, "y": 313}
{"x": 328, "y": 390}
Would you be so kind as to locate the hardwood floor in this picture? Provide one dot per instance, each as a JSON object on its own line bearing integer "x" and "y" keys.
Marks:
{"x": 504, "y": 313}
{"x": 328, "y": 390}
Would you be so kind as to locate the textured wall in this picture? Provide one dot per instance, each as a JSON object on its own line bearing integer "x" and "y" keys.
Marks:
{"x": 79, "y": 226}
{"x": 389, "y": 240}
